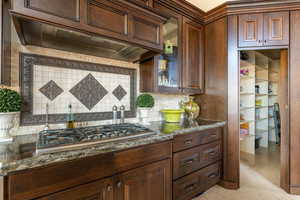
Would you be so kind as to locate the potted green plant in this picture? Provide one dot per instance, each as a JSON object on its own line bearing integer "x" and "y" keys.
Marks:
{"x": 10, "y": 106}
{"x": 144, "y": 103}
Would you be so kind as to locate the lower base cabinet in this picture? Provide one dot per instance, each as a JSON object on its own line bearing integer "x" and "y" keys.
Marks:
{"x": 151, "y": 182}
{"x": 99, "y": 190}
{"x": 189, "y": 186}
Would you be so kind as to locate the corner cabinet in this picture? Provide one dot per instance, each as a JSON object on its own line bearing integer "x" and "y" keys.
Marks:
{"x": 267, "y": 29}
{"x": 179, "y": 69}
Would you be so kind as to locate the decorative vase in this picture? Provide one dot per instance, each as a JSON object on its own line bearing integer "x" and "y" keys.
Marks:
{"x": 143, "y": 115}
{"x": 6, "y": 123}
{"x": 191, "y": 108}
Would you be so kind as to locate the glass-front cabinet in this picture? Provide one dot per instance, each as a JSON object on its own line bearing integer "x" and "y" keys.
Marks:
{"x": 162, "y": 73}
{"x": 179, "y": 69}
{"x": 168, "y": 62}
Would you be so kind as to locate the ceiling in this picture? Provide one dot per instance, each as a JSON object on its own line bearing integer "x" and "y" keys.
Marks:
{"x": 206, "y": 5}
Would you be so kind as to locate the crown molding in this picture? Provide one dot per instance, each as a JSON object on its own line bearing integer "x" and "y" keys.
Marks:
{"x": 250, "y": 6}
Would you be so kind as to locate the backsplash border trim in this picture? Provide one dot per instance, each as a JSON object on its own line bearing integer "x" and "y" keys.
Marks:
{"x": 27, "y": 61}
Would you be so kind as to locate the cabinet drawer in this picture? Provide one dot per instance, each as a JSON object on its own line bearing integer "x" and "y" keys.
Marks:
{"x": 182, "y": 142}
{"x": 191, "y": 160}
{"x": 200, "y": 181}
{"x": 42, "y": 181}
{"x": 125, "y": 160}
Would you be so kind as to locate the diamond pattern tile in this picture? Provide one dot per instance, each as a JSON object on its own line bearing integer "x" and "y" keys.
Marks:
{"x": 51, "y": 90}
{"x": 89, "y": 91}
{"x": 119, "y": 92}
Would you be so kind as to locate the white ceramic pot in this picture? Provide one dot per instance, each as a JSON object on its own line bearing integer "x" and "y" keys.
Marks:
{"x": 143, "y": 115}
{"x": 6, "y": 123}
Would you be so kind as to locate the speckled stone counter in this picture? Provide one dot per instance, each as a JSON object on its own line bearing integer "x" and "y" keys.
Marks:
{"x": 21, "y": 154}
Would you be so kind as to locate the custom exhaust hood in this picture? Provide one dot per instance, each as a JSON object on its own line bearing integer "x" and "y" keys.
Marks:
{"x": 117, "y": 29}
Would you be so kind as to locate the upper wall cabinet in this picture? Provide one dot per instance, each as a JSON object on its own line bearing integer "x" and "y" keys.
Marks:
{"x": 251, "y": 30}
{"x": 193, "y": 57}
{"x": 116, "y": 29}
{"x": 179, "y": 69}
{"x": 268, "y": 29}
{"x": 276, "y": 28}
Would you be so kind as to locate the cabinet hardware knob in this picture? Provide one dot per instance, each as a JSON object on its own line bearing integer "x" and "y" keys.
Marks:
{"x": 109, "y": 188}
{"x": 119, "y": 184}
{"x": 188, "y": 142}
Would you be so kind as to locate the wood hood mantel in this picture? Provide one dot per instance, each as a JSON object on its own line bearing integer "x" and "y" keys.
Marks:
{"x": 115, "y": 29}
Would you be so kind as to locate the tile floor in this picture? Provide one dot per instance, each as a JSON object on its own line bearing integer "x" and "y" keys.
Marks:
{"x": 258, "y": 182}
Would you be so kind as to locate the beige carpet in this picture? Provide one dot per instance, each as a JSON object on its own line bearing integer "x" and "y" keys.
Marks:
{"x": 258, "y": 182}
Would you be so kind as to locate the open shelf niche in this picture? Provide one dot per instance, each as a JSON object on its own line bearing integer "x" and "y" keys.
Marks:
{"x": 258, "y": 93}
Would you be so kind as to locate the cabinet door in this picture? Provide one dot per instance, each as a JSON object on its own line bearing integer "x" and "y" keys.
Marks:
{"x": 168, "y": 64}
{"x": 276, "y": 28}
{"x": 64, "y": 9}
{"x": 193, "y": 66}
{"x": 100, "y": 190}
{"x": 146, "y": 183}
{"x": 251, "y": 30}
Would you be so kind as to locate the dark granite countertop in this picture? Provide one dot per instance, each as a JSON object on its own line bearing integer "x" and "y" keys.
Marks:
{"x": 21, "y": 154}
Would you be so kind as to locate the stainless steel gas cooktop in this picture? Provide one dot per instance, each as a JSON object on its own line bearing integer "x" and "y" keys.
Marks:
{"x": 65, "y": 139}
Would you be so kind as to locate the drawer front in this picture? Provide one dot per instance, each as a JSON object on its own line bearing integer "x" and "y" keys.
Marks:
{"x": 125, "y": 160}
{"x": 196, "y": 158}
{"x": 193, "y": 184}
{"x": 42, "y": 181}
{"x": 182, "y": 142}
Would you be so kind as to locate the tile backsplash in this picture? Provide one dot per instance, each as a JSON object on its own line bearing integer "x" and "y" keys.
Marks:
{"x": 116, "y": 90}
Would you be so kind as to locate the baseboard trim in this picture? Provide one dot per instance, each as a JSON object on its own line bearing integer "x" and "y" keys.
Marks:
{"x": 294, "y": 190}
{"x": 229, "y": 185}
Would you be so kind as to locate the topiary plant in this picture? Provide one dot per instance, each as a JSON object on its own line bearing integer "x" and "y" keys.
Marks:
{"x": 145, "y": 101}
{"x": 10, "y": 101}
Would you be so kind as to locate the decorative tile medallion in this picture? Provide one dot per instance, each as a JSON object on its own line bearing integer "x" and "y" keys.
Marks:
{"x": 51, "y": 90}
{"x": 89, "y": 91}
{"x": 91, "y": 88}
{"x": 119, "y": 92}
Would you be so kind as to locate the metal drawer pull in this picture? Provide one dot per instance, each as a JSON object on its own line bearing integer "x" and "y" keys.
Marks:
{"x": 119, "y": 184}
{"x": 188, "y": 162}
{"x": 188, "y": 142}
{"x": 213, "y": 175}
{"x": 190, "y": 187}
{"x": 211, "y": 152}
{"x": 213, "y": 135}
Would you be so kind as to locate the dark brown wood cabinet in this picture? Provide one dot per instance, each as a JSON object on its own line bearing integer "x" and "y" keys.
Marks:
{"x": 99, "y": 190}
{"x": 196, "y": 162}
{"x": 264, "y": 29}
{"x": 251, "y": 30}
{"x": 118, "y": 29}
{"x": 190, "y": 185}
{"x": 276, "y": 28}
{"x": 193, "y": 57}
{"x": 147, "y": 183}
{"x": 180, "y": 69}
{"x": 5, "y": 43}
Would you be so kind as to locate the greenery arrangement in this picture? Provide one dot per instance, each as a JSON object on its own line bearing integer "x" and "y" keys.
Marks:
{"x": 10, "y": 101}
{"x": 145, "y": 101}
